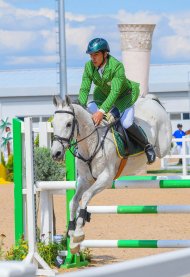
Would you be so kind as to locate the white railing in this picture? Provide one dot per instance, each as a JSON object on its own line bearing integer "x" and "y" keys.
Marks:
{"x": 184, "y": 155}
{"x": 17, "y": 269}
{"x": 46, "y": 199}
{"x": 170, "y": 264}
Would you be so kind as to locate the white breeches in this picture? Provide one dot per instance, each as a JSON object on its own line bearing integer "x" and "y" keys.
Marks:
{"x": 127, "y": 117}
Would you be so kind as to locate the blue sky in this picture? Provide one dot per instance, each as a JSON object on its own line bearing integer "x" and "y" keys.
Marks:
{"x": 28, "y": 29}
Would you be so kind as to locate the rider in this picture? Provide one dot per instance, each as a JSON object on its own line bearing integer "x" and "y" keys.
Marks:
{"x": 112, "y": 89}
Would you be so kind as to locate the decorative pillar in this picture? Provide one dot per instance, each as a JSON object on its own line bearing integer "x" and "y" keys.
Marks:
{"x": 136, "y": 44}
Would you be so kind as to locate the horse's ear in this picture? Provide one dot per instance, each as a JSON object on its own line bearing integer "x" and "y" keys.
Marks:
{"x": 68, "y": 100}
{"x": 57, "y": 101}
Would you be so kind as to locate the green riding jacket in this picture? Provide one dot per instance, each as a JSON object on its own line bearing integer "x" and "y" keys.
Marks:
{"x": 112, "y": 89}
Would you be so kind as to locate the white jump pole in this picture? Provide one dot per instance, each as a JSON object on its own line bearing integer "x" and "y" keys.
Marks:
{"x": 33, "y": 256}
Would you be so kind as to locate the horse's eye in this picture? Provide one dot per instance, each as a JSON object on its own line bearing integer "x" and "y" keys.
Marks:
{"x": 68, "y": 125}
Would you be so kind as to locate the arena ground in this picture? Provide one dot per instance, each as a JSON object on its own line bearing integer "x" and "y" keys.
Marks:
{"x": 150, "y": 226}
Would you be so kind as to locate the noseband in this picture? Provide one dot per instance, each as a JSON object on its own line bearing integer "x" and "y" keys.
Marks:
{"x": 74, "y": 123}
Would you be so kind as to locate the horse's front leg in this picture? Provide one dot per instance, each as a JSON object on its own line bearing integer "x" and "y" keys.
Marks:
{"x": 104, "y": 180}
{"x": 82, "y": 185}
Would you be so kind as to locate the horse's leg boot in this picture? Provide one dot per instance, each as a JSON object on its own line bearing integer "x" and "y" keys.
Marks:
{"x": 138, "y": 135}
{"x": 74, "y": 248}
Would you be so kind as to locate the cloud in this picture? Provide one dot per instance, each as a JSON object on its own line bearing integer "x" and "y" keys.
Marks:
{"x": 141, "y": 17}
{"x": 180, "y": 23}
{"x": 25, "y": 13}
{"x": 33, "y": 33}
{"x": 48, "y": 40}
{"x": 176, "y": 43}
{"x": 13, "y": 18}
{"x": 175, "y": 46}
{"x": 75, "y": 17}
{"x": 79, "y": 37}
{"x": 16, "y": 40}
{"x": 31, "y": 60}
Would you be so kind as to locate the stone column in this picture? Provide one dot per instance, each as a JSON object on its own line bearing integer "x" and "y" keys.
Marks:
{"x": 136, "y": 44}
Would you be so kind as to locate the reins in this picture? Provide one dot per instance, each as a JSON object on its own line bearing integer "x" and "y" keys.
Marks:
{"x": 69, "y": 140}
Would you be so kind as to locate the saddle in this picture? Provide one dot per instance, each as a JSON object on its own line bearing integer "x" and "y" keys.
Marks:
{"x": 126, "y": 146}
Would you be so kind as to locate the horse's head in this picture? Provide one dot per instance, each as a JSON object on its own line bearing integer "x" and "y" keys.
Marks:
{"x": 64, "y": 127}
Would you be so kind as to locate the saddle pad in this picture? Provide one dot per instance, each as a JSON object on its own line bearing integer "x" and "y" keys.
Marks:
{"x": 124, "y": 150}
{"x": 119, "y": 144}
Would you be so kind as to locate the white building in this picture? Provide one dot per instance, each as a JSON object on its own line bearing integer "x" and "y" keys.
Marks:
{"x": 29, "y": 92}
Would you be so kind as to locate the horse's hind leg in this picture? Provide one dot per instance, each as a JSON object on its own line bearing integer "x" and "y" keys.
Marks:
{"x": 103, "y": 181}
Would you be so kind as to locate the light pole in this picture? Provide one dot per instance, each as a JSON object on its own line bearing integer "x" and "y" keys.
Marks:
{"x": 62, "y": 50}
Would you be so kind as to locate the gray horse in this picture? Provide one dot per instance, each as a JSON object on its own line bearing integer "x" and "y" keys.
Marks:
{"x": 98, "y": 162}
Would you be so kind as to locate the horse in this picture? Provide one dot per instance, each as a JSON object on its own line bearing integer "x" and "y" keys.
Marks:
{"x": 97, "y": 158}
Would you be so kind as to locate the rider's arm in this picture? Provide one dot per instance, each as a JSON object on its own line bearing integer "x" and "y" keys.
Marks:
{"x": 117, "y": 83}
{"x": 85, "y": 86}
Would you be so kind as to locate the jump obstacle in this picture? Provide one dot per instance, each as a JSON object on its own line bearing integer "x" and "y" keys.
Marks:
{"x": 26, "y": 187}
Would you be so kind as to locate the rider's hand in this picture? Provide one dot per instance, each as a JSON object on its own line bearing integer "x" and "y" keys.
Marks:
{"x": 97, "y": 117}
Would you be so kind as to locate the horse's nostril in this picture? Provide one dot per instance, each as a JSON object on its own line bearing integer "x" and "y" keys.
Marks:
{"x": 58, "y": 154}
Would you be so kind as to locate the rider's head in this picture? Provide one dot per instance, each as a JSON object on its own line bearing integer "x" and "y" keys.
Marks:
{"x": 179, "y": 126}
{"x": 98, "y": 49}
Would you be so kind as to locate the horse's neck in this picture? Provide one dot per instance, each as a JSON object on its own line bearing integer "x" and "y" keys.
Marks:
{"x": 86, "y": 127}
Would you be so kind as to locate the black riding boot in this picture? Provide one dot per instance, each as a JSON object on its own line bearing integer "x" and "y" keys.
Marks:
{"x": 137, "y": 134}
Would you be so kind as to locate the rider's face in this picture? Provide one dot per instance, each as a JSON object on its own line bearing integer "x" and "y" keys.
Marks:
{"x": 98, "y": 58}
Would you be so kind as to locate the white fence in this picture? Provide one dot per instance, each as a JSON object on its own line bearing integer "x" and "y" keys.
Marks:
{"x": 17, "y": 269}
{"x": 45, "y": 132}
{"x": 184, "y": 155}
{"x": 170, "y": 264}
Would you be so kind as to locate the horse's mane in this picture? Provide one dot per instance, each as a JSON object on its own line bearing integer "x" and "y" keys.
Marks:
{"x": 77, "y": 103}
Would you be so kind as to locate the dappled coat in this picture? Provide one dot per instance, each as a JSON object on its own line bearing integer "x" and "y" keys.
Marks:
{"x": 112, "y": 89}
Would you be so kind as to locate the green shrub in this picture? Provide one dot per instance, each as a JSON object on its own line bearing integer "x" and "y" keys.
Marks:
{"x": 3, "y": 159}
{"x": 18, "y": 252}
{"x": 87, "y": 254}
{"x": 46, "y": 169}
{"x": 9, "y": 167}
{"x": 2, "y": 237}
{"x": 48, "y": 252}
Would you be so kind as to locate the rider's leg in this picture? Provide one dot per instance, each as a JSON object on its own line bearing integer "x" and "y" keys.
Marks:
{"x": 92, "y": 107}
{"x": 127, "y": 121}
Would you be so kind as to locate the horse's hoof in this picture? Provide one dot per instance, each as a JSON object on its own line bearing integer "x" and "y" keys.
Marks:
{"x": 74, "y": 248}
{"x": 77, "y": 239}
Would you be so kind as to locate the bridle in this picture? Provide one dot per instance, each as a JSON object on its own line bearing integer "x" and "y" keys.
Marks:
{"x": 70, "y": 142}
{"x": 99, "y": 145}
{"x": 74, "y": 123}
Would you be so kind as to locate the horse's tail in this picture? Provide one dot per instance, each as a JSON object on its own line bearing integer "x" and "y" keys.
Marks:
{"x": 155, "y": 98}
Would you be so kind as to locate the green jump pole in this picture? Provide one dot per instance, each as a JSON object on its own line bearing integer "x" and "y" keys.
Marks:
{"x": 174, "y": 184}
{"x": 18, "y": 196}
{"x": 137, "y": 244}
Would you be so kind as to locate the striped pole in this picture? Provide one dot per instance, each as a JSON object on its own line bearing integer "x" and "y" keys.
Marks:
{"x": 135, "y": 244}
{"x": 139, "y": 209}
{"x": 18, "y": 173}
{"x": 164, "y": 182}
{"x": 129, "y": 182}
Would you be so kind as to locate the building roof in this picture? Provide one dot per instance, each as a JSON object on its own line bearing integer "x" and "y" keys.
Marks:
{"x": 41, "y": 82}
